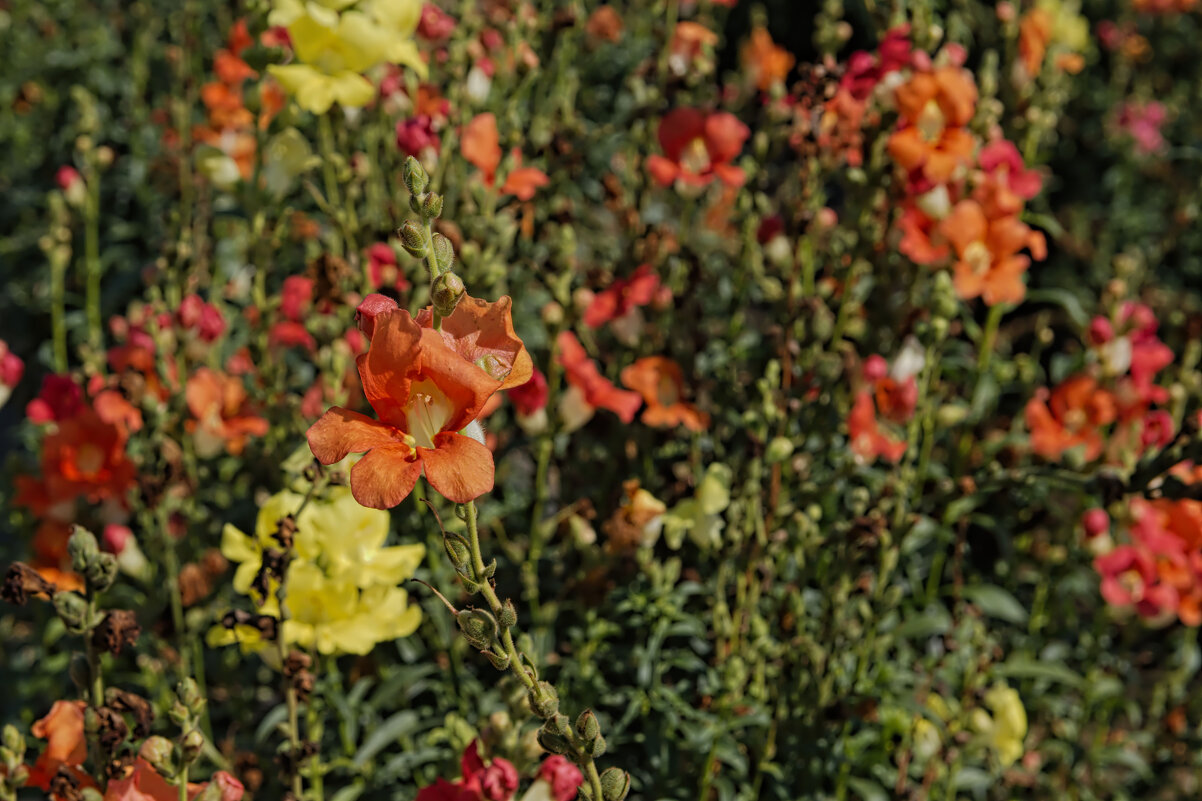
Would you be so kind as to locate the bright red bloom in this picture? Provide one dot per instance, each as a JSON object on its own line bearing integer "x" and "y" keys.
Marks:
{"x": 86, "y": 457}
{"x": 296, "y": 297}
{"x": 205, "y": 318}
{"x": 436, "y": 24}
{"x": 223, "y": 419}
{"x": 382, "y": 268}
{"x": 865, "y": 70}
{"x": 1129, "y": 579}
{"x": 496, "y": 781}
{"x": 564, "y": 777}
{"x": 287, "y": 334}
{"x": 637, "y": 289}
{"x": 868, "y": 442}
{"x": 426, "y": 386}
{"x": 59, "y": 399}
{"x": 1007, "y": 181}
{"x": 698, "y": 147}
{"x": 598, "y": 391}
{"x": 661, "y": 383}
{"x": 416, "y": 135}
{"x": 530, "y": 397}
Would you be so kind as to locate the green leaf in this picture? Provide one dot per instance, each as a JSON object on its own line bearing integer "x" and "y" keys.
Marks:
{"x": 996, "y": 602}
{"x": 867, "y": 790}
{"x": 386, "y": 734}
{"x": 1024, "y": 667}
{"x": 934, "y": 620}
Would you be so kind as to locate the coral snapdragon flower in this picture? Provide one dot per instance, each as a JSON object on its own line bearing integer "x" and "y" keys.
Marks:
{"x": 698, "y": 147}
{"x": 988, "y": 262}
{"x": 661, "y": 383}
{"x": 934, "y": 108}
{"x": 868, "y": 442}
{"x": 767, "y": 63}
{"x": 1069, "y": 417}
{"x": 426, "y": 386}
{"x": 222, "y": 412}
{"x": 624, "y": 294}
{"x": 595, "y": 389}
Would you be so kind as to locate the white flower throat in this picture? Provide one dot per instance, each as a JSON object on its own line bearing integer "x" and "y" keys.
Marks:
{"x": 428, "y": 411}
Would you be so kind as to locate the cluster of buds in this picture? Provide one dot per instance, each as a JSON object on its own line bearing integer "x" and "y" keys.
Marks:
{"x": 491, "y": 631}
{"x": 13, "y": 770}
{"x": 172, "y": 759}
{"x": 446, "y": 288}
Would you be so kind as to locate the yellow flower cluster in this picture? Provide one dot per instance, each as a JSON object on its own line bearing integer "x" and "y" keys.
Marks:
{"x": 336, "y": 41}
{"x": 1005, "y": 730}
{"x": 342, "y": 593}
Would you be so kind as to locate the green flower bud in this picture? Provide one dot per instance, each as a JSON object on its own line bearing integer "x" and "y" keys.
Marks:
{"x": 595, "y": 747}
{"x": 479, "y": 627}
{"x": 20, "y": 775}
{"x": 83, "y": 549}
{"x": 779, "y": 449}
{"x": 189, "y": 695}
{"x": 458, "y": 552}
{"x": 551, "y": 740}
{"x": 415, "y": 176}
{"x": 413, "y": 239}
{"x": 102, "y": 572}
{"x": 509, "y": 615}
{"x": 431, "y": 206}
{"x": 587, "y": 726}
{"x": 544, "y": 701}
{"x": 160, "y": 753}
{"x": 499, "y": 661}
{"x": 191, "y": 746}
{"x": 615, "y": 784}
{"x": 13, "y": 741}
{"x": 445, "y": 293}
{"x": 444, "y": 253}
{"x": 72, "y": 609}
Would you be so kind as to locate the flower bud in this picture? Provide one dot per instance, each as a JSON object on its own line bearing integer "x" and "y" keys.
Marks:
{"x": 102, "y": 572}
{"x": 479, "y": 627}
{"x": 431, "y": 206}
{"x": 553, "y": 737}
{"x": 778, "y": 450}
{"x": 72, "y": 609}
{"x": 189, "y": 695}
{"x": 13, "y": 741}
{"x": 413, "y": 239}
{"x": 615, "y": 784}
{"x": 499, "y": 661}
{"x": 595, "y": 747}
{"x": 446, "y": 292}
{"x": 509, "y": 615}
{"x": 20, "y": 776}
{"x": 414, "y": 176}
{"x": 544, "y": 702}
{"x": 191, "y": 746}
{"x": 444, "y": 253}
{"x": 1095, "y": 521}
{"x": 458, "y": 552}
{"x": 160, "y": 753}
{"x": 82, "y": 548}
{"x": 587, "y": 726}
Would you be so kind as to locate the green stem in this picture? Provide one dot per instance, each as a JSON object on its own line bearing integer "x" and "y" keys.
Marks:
{"x": 342, "y": 216}
{"x": 58, "y": 291}
{"x": 594, "y": 780}
{"x": 92, "y": 260}
{"x": 988, "y": 340}
{"x": 183, "y": 783}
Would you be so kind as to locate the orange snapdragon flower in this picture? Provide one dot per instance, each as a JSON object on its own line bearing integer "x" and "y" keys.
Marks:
{"x": 766, "y": 63}
{"x": 988, "y": 262}
{"x": 1070, "y": 416}
{"x": 934, "y": 108}
{"x": 480, "y": 145}
{"x": 868, "y": 442}
{"x": 698, "y": 147}
{"x": 62, "y": 728}
{"x": 86, "y": 457}
{"x": 223, "y": 416}
{"x": 661, "y": 383}
{"x": 596, "y": 390}
{"x": 426, "y": 386}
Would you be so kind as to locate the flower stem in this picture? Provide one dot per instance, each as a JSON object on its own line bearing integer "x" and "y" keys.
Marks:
{"x": 58, "y": 281}
{"x": 92, "y": 260}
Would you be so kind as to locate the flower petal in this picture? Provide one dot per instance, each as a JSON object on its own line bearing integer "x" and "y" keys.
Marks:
{"x": 385, "y": 476}
{"x": 458, "y": 467}
{"x": 340, "y": 431}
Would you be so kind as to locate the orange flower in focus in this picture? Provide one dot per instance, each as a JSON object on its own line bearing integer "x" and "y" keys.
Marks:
{"x": 223, "y": 417}
{"x": 482, "y": 333}
{"x": 66, "y": 746}
{"x": 934, "y": 108}
{"x": 661, "y": 383}
{"x": 425, "y": 393}
{"x": 988, "y": 262}
{"x": 766, "y": 63}
{"x": 1070, "y": 417}
{"x": 480, "y": 145}
{"x": 868, "y": 442}
{"x": 596, "y": 391}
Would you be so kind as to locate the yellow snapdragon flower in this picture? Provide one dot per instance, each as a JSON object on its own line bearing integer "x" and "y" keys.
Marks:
{"x": 342, "y": 581}
{"x": 1006, "y": 729}
{"x": 335, "y": 44}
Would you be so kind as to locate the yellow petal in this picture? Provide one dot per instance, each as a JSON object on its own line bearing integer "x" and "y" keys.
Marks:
{"x": 236, "y": 546}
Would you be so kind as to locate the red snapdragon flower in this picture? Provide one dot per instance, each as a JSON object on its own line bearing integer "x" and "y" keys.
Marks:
{"x": 496, "y": 781}
{"x": 661, "y": 383}
{"x": 597, "y": 391}
{"x": 698, "y": 148}
{"x": 624, "y": 294}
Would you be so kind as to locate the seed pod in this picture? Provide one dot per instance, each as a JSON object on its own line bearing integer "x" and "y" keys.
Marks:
{"x": 101, "y": 572}
{"x": 431, "y": 206}
{"x": 509, "y": 615}
{"x": 595, "y": 747}
{"x": 413, "y": 239}
{"x": 615, "y": 784}
{"x": 544, "y": 701}
{"x": 82, "y": 548}
{"x": 458, "y": 552}
{"x": 499, "y": 661}
{"x": 159, "y": 752}
{"x": 191, "y": 746}
{"x": 479, "y": 627}
{"x": 415, "y": 176}
{"x": 552, "y": 740}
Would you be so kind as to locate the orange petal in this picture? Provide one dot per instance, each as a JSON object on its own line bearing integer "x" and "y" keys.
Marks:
{"x": 467, "y": 386}
{"x": 390, "y": 365}
{"x": 385, "y": 476}
{"x": 482, "y": 333}
{"x": 203, "y": 392}
{"x": 340, "y": 431}
{"x": 458, "y": 467}
{"x": 481, "y": 144}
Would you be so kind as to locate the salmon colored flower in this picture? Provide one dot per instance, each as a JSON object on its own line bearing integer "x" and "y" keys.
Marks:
{"x": 868, "y": 442}
{"x": 596, "y": 391}
{"x": 767, "y": 63}
{"x": 934, "y": 108}
{"x": 661, "y": 383}
{"x": 690, "y": 40}
{"x": 523, "y": 182}
{"x": 425, "y": 393}
{"x": 481, "y": 147}
{"x": 223, "y": 419}
{"x": 62, "y": 728}
{"x": 605, "y": 23}
{"x": 988, "y": 262}
{"x": 482, "y": 333}
{"x": 1070, "y": 416}
{"x": 698, "y": 147}
{"x": 1034, "y": 34}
